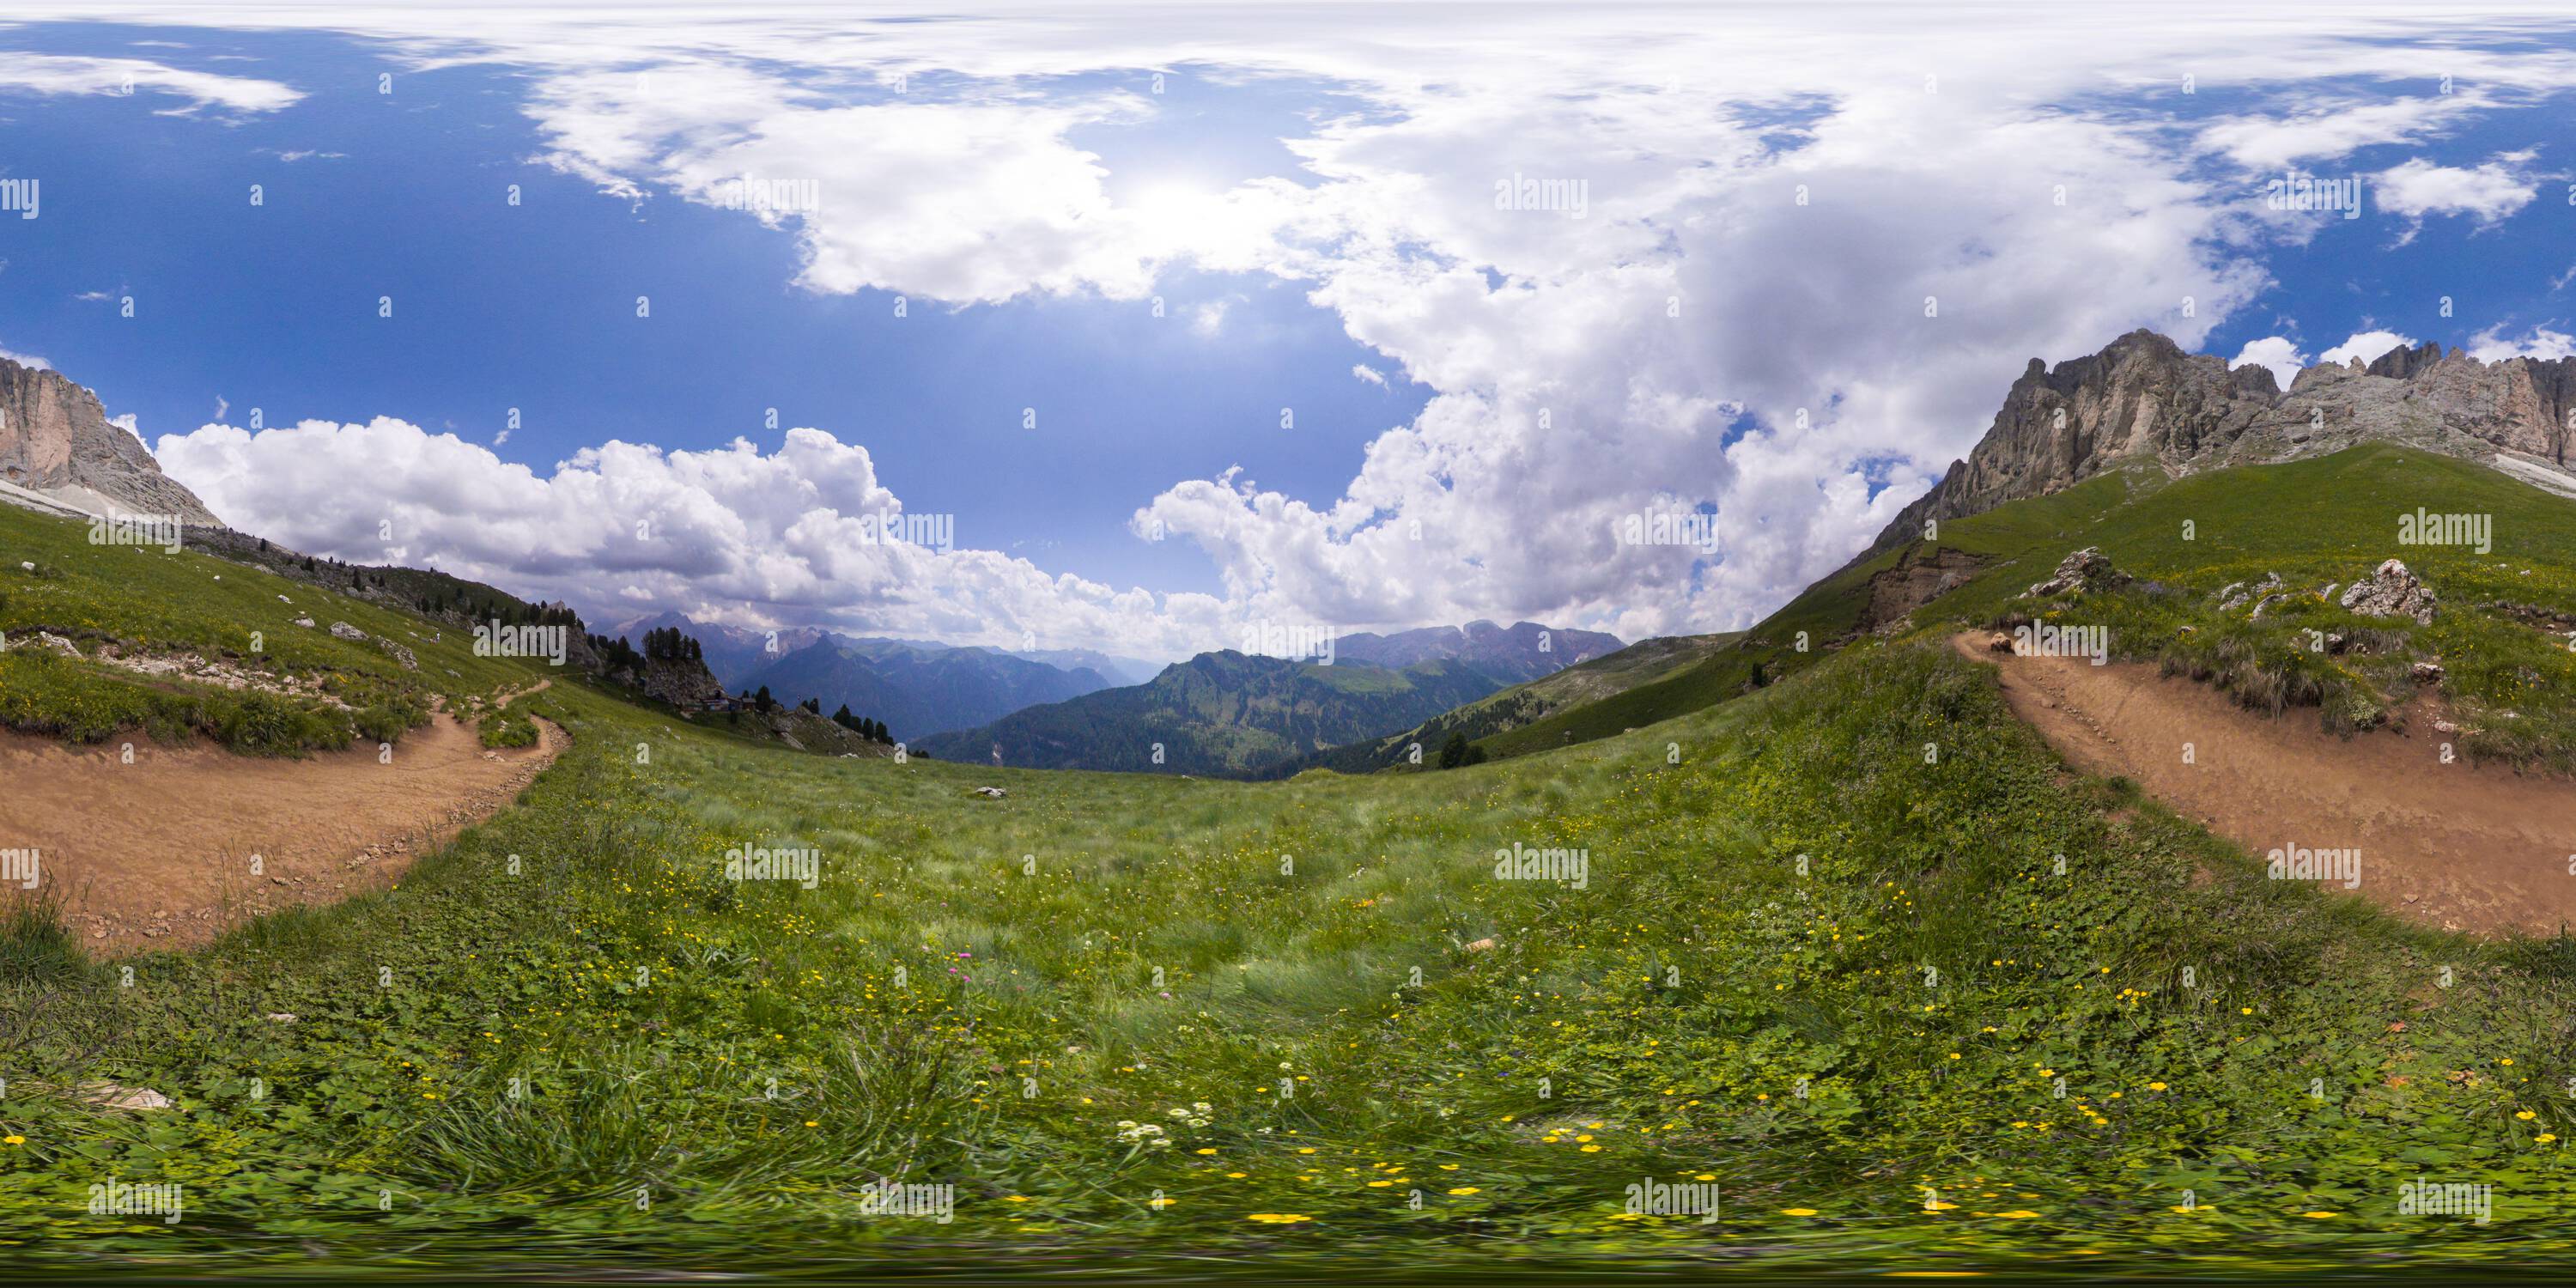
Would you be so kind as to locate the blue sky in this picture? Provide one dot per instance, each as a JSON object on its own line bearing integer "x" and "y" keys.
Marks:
{"x": 405, "y": 195}
{"x": 1477, "y": 394}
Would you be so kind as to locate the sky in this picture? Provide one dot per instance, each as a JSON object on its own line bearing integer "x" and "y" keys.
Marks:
{"x": 1133, "y": 327}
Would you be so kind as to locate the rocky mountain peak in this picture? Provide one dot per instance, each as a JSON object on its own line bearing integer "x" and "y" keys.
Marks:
{"x": 2142, "y": 397}
{"x": 56, "y": 440}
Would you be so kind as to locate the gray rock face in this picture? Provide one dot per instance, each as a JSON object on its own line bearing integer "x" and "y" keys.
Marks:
{"x": 2392, "y": 592}
{"x": 2142, "y": 397}
{"x": 55, "y": 439}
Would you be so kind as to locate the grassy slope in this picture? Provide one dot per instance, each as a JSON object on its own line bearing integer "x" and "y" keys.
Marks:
{"x": 1824, "y": 612}
{"x": 2318, "y": 521}
{"x": 971, "y": 996}
{"x": 214, "y": 608}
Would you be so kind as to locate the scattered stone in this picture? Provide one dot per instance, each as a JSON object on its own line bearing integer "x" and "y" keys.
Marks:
{"x": 1481, "y": 945}
{"x": 2445, "y": 726}
{"x": 47, "y": 639}
{"x": 2236, "y": 594}
{"x": 305, "y": 622}
{"x": 2392, "y": 591}
{"x": 108, "y": 1095}
{"x": 343, "y": 630}
{"x": 281, "y": 1017}
{"x": 2086, "y": 569}
{"x": 991, "y": 793}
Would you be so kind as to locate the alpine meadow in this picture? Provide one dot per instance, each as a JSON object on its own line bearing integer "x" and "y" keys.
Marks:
{"x": 1156, "y": 643}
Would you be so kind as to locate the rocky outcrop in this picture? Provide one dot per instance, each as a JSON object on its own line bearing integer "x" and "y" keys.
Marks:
{"x": 2392, "y": 592}
{"x": 1918, "y": 578}
{"x": 55, "y": 439}
{"x": 2086, "y": 569}
{"x": 2142, "y": 397}
{"x": 682, "y": 682}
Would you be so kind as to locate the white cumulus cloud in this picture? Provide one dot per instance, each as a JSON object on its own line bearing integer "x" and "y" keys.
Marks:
{"x": 2369, "y": 346}
{"x": 2279, "y": 353}
{"x": 791, "y": 536}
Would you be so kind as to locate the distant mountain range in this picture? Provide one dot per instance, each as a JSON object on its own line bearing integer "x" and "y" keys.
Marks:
{"x": 1512, "y": 654}
{"x": 1515, "y": 707}
{"x": 916, "y": 688}
{"x": 1230, "y": 713}
{"x": 1219, "y": 713}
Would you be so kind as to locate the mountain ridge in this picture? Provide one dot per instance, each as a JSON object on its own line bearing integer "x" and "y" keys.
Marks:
{"x": 56, "y": 440}
{"x": 2142, "y": 396}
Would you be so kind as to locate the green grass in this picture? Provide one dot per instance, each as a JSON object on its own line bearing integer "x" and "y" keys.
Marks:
{"x": 150, "y": 602}
{"x": 673, "y": 1034}
{"x": 1830, "y": 959}
{"x": 2327, "y": 520}
{"x": 505, "y": 727}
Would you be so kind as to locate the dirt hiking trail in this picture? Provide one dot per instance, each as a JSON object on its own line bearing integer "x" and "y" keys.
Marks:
{"x": 2478, "y": 849}
{"x": 157, "y": 854}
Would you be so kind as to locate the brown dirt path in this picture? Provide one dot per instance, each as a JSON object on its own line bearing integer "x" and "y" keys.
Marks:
{"x": 157, "y": 854}
{"x": 2479, "y": 849}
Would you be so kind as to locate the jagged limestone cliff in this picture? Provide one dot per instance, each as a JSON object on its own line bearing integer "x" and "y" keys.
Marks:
{"x": 2142, "y": 396}
{"x": 55, "y": 439}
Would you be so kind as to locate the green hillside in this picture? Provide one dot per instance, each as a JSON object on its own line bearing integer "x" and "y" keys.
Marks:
{"x": 148, "y": 603}
{"x": 2313, "y": 522}
{"x": 1844, "y": 982}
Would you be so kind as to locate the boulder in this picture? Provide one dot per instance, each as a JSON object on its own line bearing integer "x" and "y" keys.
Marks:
{"x": 2392, "y": 591}
{"x": 343, "y": 630}
{"x": 2086, "y": 569}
